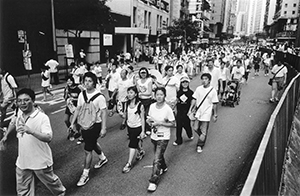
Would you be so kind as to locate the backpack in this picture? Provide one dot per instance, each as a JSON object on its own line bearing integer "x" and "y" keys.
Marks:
{"x": 87, "y": 115}
{"x": 6, "y": 80}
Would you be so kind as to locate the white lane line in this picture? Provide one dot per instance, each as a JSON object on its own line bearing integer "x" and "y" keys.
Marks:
{"x": 57, "y": 111}
{"x": 57, "y": 101}
{"x": 63, "y": 106}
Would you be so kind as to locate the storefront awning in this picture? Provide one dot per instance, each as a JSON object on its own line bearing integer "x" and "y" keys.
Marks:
{"x": 131, "y": 30}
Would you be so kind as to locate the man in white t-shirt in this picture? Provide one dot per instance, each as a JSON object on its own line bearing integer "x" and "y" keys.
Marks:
{"x": 91, "y": 135}
{"x": 207, "y": 96}
{"x": 237, "y": 74}
{"x": 53, "y": 64}
{"x": 216, "y": 76}
{"x": 279, "y": 72}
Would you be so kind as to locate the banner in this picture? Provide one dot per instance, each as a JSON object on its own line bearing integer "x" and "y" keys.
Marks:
{"x": 107, "y": 40}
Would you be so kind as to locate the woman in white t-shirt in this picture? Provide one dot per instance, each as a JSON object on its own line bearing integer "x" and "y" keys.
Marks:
{"x": 46, "y": 82}
{"x": 134, "y": 116}
{"x": 161, "y": 119}
{"x": 144, "y": 86}
{"x": 279, "y": 75}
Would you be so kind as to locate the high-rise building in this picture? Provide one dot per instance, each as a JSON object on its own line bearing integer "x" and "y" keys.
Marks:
{"x": 217, "y": 16}
{"x": 241, "y": 17}
{"x": 148, "y": 20}
{"x": 179, "y": 9}
{"x": 286, "y": 19}
{"x": 230, "y": 17}
{"x": 256, "y": 15}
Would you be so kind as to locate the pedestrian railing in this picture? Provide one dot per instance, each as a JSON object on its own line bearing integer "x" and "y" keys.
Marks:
{"x": 265, "y": 173}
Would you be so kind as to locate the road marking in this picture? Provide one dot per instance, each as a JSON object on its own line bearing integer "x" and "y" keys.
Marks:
{"x": 57, "y": 111}
{"x": 148, "y": 166}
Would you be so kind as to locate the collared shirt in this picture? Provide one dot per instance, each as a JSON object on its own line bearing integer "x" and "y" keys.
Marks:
{"x": 34, "y": 154}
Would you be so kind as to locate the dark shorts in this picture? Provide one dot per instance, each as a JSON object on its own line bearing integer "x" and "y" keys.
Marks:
{"x": 91, "y": 136}
{"x": 133, "y": 136}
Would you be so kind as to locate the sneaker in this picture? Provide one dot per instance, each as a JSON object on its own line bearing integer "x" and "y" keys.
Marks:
{"x": 199, "y": 149}
{"x": 140, "y": 155}
{"x": 127, "y": 168}
{"x": 276, "y": 99}
{"x": 176, "y": 144}
{"x": 101, "y": 163}
{"x": 152, "y": 187}
{"x": 83, "y": 180}
{"x": 80, "y": 140}
{"x": 148, "y": 133}
{"x": 162, "y": 171}
{"x": 191, "y": 138}
{"x": 271, "y": 100}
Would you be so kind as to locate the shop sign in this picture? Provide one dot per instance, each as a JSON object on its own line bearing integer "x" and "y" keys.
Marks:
{"x": 107, "y": 40}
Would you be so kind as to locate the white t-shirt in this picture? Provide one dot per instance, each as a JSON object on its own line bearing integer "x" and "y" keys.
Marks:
{"x": 179, "y": 76}
{"x": 281, "y": 73}
{"x": 205, "y": 111}
{"x": 76, "y": 75}
{"x": 97, "y": 71}
{"x": 6, "y": 90}
{"x": 99, "y": 102}
{"x": 122, "y": 87}
{"x": 172, "y": 85}
{"x": 33, "y": 153}
{"x": 143, "y": 87}
{"x": 163, "y": 133}
{"x": 53, "y": 65}
{"x": 46, "y": 83}
{"x": 133, "y": 119}
{"x": 113, "y": 81}
{"x": 215, "y": 76}
{"x": 238, "y": 72}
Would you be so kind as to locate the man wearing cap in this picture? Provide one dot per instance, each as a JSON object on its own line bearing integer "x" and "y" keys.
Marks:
{"x": 184, "y": 99}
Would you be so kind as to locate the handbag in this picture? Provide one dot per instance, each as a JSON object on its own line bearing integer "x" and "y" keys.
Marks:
{"x": 271, "y": 79}
{"x": 192, "y": 114}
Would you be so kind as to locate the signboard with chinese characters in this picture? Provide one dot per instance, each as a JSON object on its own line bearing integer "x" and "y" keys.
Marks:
{"x": 107, "y": 40}
{"x": 21, "y": 36}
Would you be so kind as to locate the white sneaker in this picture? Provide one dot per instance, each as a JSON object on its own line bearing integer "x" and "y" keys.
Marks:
{"x": 101, "y": 163}
{"x": 83, "y": 180}
{"x": 199, "y": 149}
{"x": 152, "y": 187}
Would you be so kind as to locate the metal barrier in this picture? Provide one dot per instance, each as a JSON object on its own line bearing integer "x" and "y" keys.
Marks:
{"x": 265, "y": 174}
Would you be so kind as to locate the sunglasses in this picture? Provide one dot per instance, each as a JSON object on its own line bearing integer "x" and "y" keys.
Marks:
{"x": 143, "y": 72}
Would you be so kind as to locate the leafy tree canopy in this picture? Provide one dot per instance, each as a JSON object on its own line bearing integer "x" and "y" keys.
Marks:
{"x": 184, "y": 29}
{"x": 82, "y": 15}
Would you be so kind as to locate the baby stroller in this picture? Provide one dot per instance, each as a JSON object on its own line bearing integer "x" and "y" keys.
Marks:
{"x": 231, "y": 95}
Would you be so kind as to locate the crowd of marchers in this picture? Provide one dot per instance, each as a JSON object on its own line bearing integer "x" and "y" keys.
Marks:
{"x": 150, "y": 102}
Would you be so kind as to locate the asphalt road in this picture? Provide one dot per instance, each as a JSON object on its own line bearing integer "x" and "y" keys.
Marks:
{"x": 213, "y": 172}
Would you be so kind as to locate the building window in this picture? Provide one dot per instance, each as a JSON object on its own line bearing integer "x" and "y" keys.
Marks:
{"x": 145, "y": 19}
{"x": 157, "y": 22}
{"x": 212, "y": 18}
{"x": 286, "y": 5}
{"x": 293, "y": 12}
{"x": 284, "y": 12}
{"x": 295, "y": 5}
{"x": 167, "y": 22}
{"x": 134, "y": 16}
{"x": 149, "y": 19}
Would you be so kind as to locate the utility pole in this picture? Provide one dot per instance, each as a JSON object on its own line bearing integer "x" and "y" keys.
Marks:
{"x": 53, "y": 29}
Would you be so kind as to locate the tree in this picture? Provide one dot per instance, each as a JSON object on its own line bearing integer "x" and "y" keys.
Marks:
{"x": 82, "y": 15}
{"x": 205, "y": 5}
{"x": 184, "y": 29}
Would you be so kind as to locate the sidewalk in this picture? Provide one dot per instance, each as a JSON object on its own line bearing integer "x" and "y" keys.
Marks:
{"x": 35, "y": 80}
